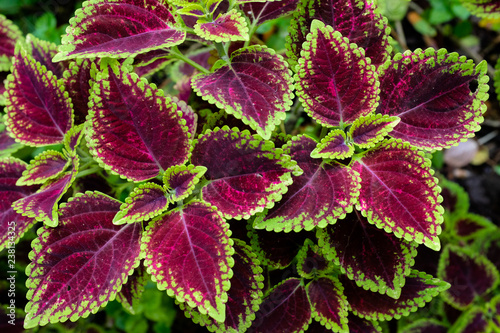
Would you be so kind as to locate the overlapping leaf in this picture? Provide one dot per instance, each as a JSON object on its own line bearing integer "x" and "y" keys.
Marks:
{"x": 324, "y": 193}
{"x": 334, "y": 80}
{"x": 328, "y": 303}
{"x": 244, "y": 296}
{"x": 119, "y": 29}
{"x": 180, "y": 180}
{"x": 246, "y": 174}
{"x": 376, "y": 260}
{"x": 483, "y": 8}
{"x": 188, "y": 252}
{"x": 8, "y": 144}
{"x": 470, "y": 225}
{"x": 42, "y": 52}
{"x": 255, "y": 87}
{"x": 361, "y": 325}
{"x": 311, "y": 262}
{"x": 399, "y": 194}
{"x": 39, "y": 111}
{"x": 357, "y": 20}
{"x": 130, "y": 294}
{"x": 285, "y": 309}
{"x": 470, "y": 274}
{"x": 333, "y": 145}
{"x": 79, "y": 266}
{"x": 430, "y": 91}
{"x": 9, "y": 34}
{"x": 474, "y": 320}
{"x": 419, "y": 289}
{"x": 230, "y": 26}
{"x": 260, "y": 12}
{"x": 365, "y": 132}
{"x": 77, "y": 81}
{"x": 135, "y": 130}
{"x": 47, "y": 165}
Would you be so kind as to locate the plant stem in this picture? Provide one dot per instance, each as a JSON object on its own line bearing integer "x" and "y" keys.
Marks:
{"x": 222, "y": 52}
{"x": 175, "y": 53}
{"x": 87, "y": 172}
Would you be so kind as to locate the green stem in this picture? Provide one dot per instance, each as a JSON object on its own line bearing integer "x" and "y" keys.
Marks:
{"x": 222, "y": 51}
{"x": 175, "y": 53}
{"x": 323, "y": 133}
{"x": 87, "y": 172}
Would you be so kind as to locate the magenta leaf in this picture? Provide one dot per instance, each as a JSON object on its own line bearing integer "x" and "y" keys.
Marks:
{"x": 255, "y": 87}
{"x": 135, "y": 130}
{"x": 246, "y": 174}
{"x": 12, "y": 225}
{"x": 230, "y": 26}
{"x": 39, "y": 111}
{"x": 260, "y": 12}
{"x": 483, "y": 8}
{"x": 324, "y": 193}
{"x": 188, "y": 115}
{"x": 72, "y": 138}
{"x": 79, "y": 266}
{"x": 285, "y": 309}
{"x": 361, "y": 325}
{"x": 180, "y": 180}
{"x": 333, "y": 145}
{"x": 9, "y": 34}
{"x": 8, "y": 144}
{"x": 334, "y": 80}
{"x": 311, "y": 261}
{"x": 77, "y": 81}
{"x": 119, "y": 29}
{"x": 419, "y": 289}
{"x": 244, "y": 296}
{"x": 145, "y": 202}
{"x": 365, "y": 132}
{"x": 188, "y": 252}
{"x": 470, "y": 274}
{"x": 399, "y": 194}
{"x": 357, "y": 20}
{"x": 374, "y": 259}
{"x": 429, "y": 90}
{"x": 47, "y": 165}
{"x": 42, "y": 52}
{"x": 328, "y": 303}
{"x": 42, "y": 205}
{"x": 130, "y": 294}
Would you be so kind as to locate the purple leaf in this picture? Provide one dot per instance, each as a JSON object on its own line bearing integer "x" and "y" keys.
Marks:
{"x": 9, "y": 34}
{"x": 188, "y": 115}
{"x": 39, "y": 111}
{"x": 399, "y": 194}
{"x": 260, "y": 12}
{"x": 419, "y": 289}
{"x": 145, "y": 202}
{"x": 72, "y": 138}
{"x": 46, "y": 166}
{"x": 12, "y": 225}
{"x": 311, "y": 261}
{"x": 135, "y": 130}
{"x": 42, "y": 52}
{"x": 119, "y": 29}
{"x": 79, "y": 266}
{"x": 151, "y": 62}
{"x": 285, "y": 309}
{"x": 489, "y": 9}
{"x": 376, "y": 260}
{"x": 429, "y": 90}
{"x": 475, "y": 320}
{"x": 228, "y": 27}
{"x": 324, "y": 193}
{"x": 77, "y": 81}
{"x": 255, "y": 87}
{"x": 357, "y": 20}
{"x": 333, "y": 146}
{"x": 180, "y": 180}
{"x": 246, "y": 174}
{"x": 8, "y": 144}
{"x": 470, "y": 274}
{"x": 469, "y": 225}
{"x": 130, "y": 294}
{"x": 425, "y": 326}
{"x": 367, "y": 131}
{"x": 334, "y": 80}
{"x": 42, "y": 205}
{"x": 328, "y": 303}
{"x": 244, "y": 296}
{"x": 188, "y": 253}
{"x": 360, "y": 325}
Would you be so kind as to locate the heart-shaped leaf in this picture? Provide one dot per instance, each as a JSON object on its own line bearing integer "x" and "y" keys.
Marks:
{"x": 47, "y": 165}
{"x": 419, "y": 289}
{"x": 311, "y": 261}
{"x": 255, "y": 87}
{"x": 470, "y": 274}
{"x": 79, "y": 266}
{"x": 145, "y": 201}
{"x": 246, "y": 174}
{"x": 244, "y": 296}
{"x": 260, "y": 12}
{"x": 375, "y": 259}
{"x": 39, "y": 111}
{"x": 324, "y": 193}
{"x": 399, "y": 194}
{"x": 9, "y": 34}
{"x": 328, "y": 303}
{"x": 135, "y": 130}
{"x": 334, "y": 80}
{"x": 333, "y": 145}
{"x": 430, "y": 91}
{"x": 230, "y": 26}
{"x": 188, "y": 252}
{"x": 180, "y": 180}
{"x": 365, "y": 132}
{"x": 357, "y": 20}
{"x": 285, "y": 309}
{"x": 119, "y": 29}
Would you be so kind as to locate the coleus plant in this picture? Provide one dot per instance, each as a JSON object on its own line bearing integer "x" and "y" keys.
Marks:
{"x": 246, "y": 225}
